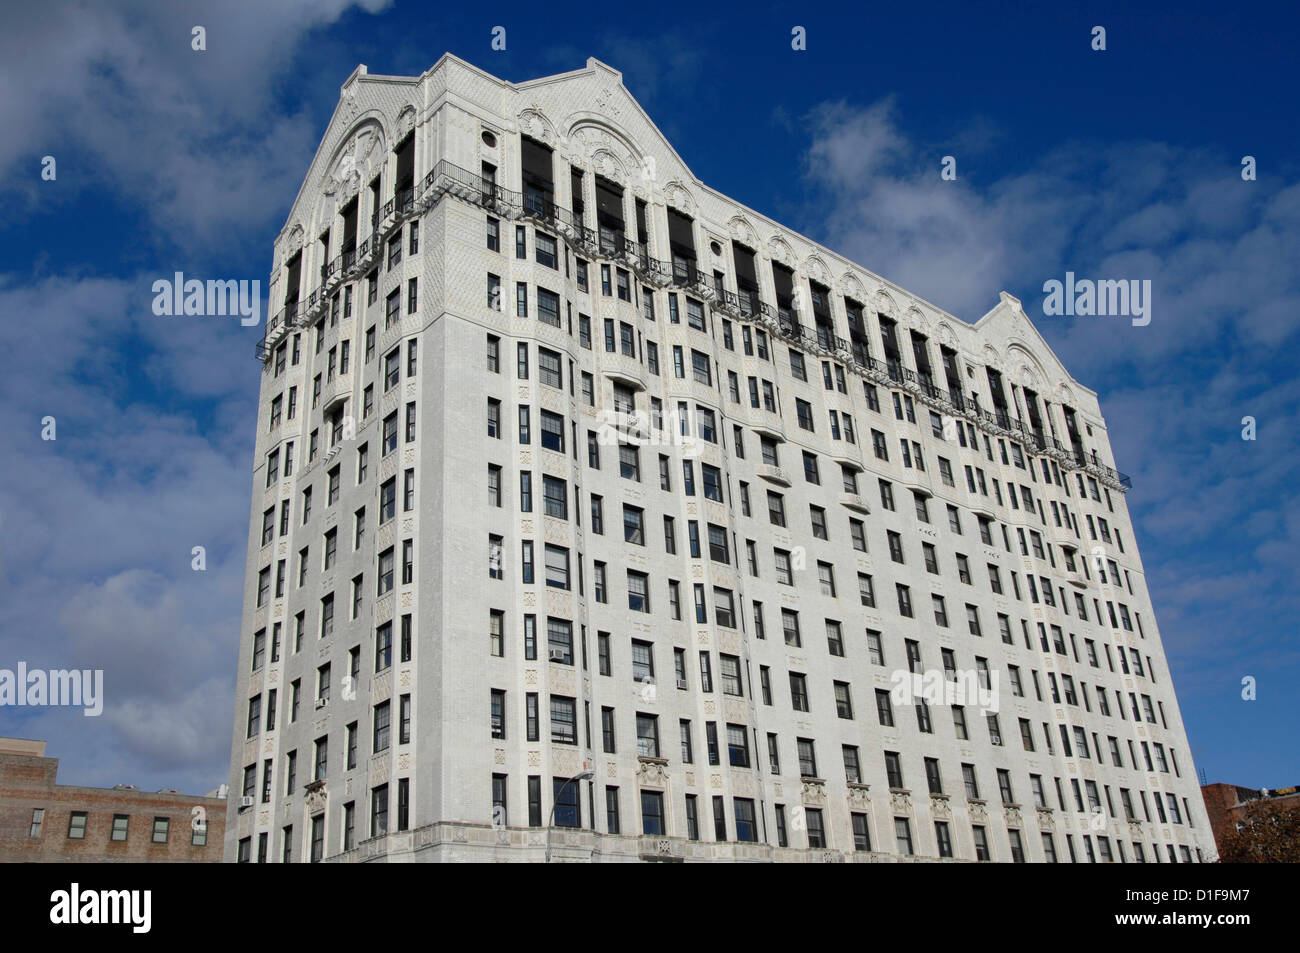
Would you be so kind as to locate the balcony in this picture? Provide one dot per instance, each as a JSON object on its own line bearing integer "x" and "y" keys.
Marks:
{"x": 336, "y": 392}
{"x": 744, "y": 305}
{"x": 448, "y": 179}
{"x": 766, "y": 423}
{"x": 624, "y": 369}
{"x": 854, "y": 501}
{"x": 773, "y": 474}
{"x": 687, "y": 274}
{"x": 276, "y": 328}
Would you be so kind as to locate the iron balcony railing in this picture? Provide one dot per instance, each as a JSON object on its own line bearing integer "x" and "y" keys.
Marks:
{"x": 446, "y": 178}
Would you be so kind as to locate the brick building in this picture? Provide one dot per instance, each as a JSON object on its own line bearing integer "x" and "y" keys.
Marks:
{"x": 45, "y": 822}
{"x": 1227, "y": 804}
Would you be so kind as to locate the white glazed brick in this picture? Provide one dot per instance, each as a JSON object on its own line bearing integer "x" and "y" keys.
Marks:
{"x": 590, "y": 120}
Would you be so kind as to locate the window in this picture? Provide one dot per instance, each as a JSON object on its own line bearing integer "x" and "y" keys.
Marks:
{"x": 331, "y": 548}
{"x": 497, "y": 713}
{"x": 531, "y": 717}
{"x": 894, "y": 770}
{"x": 798, "y": 692}
{"x": 826, "y": 579}
{"x": 161, "y": 828}
{"x": 807, "y": 758}
{"x": 810, "y": 468}
{"x": 552, "y": 431}
{"x": 784, "y": 575}
{"x": 874, "y": 648}
{"x": 564, "y": 720}
{"x": 652, "y": 812}
{"x": 884, "y": 708}
{"x": 895, "y": 546}
{"x": 791, "y": 627}
{"x": 559, "y": 641}
{"x": 76, "y": 825}
{"x": 386, "y": 559}
{"x": 633, "y": 525}
{"x": 530, "y": 637}
{"x": 379, "y": 810}
{"x": 857, "y": 532}
{"x": 843, "y": 700}
{"x": 638, "y": 591}
{"x": 548, "y": 307}
{"x": 611, "y": 810}
{"x": 647, "y": 735}
{"x": 701, "y": 369}
{"x": 557, "y": 566}
{"x": 904, "y": 600}
{"x": 803, "y": 410}
{"x": 933, "y": 779}
{"x": 544, "y": 249}
{"x": 555, "y": 493}
{"x": 607, "y": 730}
{"x": 818, "y": 522}
{"x": 496, "y": 632}
{"x": 746, "y": 827}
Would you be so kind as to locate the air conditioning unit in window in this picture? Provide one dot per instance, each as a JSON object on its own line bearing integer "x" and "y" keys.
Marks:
{"x": 245, "y": 802}
{"x": 681, "y": 683}
{"x": 557, "y": 655}
{"x": 321, "y": 703}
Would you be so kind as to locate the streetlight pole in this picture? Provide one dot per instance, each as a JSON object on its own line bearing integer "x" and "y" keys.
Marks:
{"x": 580, "y": 776}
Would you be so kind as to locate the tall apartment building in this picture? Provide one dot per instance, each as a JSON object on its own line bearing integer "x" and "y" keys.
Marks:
{"x": 597, "y": 516}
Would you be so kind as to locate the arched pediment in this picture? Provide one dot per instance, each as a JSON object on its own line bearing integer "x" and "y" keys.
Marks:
{"x": 359, "y": 154}
{"x": 1026, "y": 369}
{"x": 851, "y": 287}
{"x": 779, "y": 249}
{"x": 742, "y": 231}
{"x": 535, "y": 124}
{"x": 816, "y": 270}
{"x": 680, "y": 197}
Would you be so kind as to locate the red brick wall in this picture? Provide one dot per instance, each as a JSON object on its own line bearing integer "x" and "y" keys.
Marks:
{"x": 27, "y": 783}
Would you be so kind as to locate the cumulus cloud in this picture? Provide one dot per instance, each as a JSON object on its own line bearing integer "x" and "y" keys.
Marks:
{"x": 116, "y": 93}
{"x": 98, "y": 525}
{"x": 197, "y": 152}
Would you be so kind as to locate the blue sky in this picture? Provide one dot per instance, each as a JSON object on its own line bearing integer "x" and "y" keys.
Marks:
{"x": 1122, "y": 163}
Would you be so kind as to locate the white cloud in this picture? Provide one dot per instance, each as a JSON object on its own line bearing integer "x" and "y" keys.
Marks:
{"x": 116, "y": 93}
{"x": 97, "y": 526}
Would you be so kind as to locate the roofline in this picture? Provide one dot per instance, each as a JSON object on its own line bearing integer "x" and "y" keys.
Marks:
{"x": 594, "y": 65}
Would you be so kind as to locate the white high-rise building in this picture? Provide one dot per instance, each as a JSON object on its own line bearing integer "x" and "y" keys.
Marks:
{"x": 597, "y": 516}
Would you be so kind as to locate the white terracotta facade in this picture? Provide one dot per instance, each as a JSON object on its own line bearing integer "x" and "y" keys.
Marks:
{"x": 444, "y": 155}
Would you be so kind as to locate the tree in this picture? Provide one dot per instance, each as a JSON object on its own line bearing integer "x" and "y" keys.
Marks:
{"x": 1266, "y": 836}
